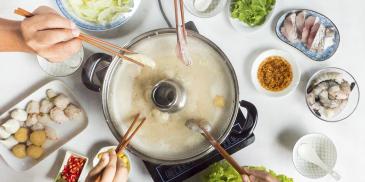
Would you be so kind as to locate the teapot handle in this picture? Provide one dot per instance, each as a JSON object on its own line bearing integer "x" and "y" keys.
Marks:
{"x": 94, "y": 64}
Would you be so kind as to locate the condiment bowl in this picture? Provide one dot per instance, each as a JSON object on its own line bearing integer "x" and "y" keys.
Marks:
{"x": 214, "y": 8}
{"x": 107, "y": 149}
{"x": 295, "y": 69}
{"x": 353, "y": 99}
{"x": 325, "y": 150}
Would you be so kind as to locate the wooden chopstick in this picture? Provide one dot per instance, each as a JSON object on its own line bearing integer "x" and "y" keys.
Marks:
{"x": 91, "y": 40}
{"x": 183, "y": 18}
{"x": 127, "y": 138}
{"x": 222, "y": 151}
{"x": 106, "y": 43}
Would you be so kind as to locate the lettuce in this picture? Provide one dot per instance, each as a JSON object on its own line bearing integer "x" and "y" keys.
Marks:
{"x": 223, "y": 172}
{"x": 252, "y": 12}
{"x": 100, "y": 11}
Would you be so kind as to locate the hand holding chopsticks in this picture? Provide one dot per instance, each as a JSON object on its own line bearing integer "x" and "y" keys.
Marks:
{"x": 106, "y": 46}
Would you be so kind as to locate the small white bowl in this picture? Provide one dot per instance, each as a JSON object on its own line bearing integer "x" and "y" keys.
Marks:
{"x": 325, "y": 149}
{"x": 242, "y": 26}
{"x": 106, "y": 149}
{"x": 295, "y": 68}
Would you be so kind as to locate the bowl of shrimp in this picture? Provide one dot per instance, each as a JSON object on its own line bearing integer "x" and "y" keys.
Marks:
{"x": 332, "y": 94}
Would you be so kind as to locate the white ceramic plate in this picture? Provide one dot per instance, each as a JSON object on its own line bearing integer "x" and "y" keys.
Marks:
{"x": 325, "y": 149}
{"x": 289, "y": 58}
{"x": 65, "y": 131}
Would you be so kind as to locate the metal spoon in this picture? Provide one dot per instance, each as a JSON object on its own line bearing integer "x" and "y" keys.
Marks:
{"x": 307, "y": 153}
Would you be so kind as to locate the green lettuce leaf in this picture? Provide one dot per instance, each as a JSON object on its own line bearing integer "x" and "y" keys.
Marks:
{"x": 223, "y": 172}
{"x": 252, "y": 12}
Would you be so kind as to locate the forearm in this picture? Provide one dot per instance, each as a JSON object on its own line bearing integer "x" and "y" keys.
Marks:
{"x": 11, "y": 39}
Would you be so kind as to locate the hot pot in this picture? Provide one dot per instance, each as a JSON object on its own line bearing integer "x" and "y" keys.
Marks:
{"x": 99, "y": 72}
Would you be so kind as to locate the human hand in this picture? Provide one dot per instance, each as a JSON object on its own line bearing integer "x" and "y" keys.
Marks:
{"x": 109, "y": 169}
{"x": 50, "y": 35}
{"x": 258, "y": 176}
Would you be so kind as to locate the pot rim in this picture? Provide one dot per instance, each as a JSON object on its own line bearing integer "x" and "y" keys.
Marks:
{"x": 105, "y": 94}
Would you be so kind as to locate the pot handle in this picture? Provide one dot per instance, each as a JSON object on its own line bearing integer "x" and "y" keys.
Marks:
{"x": 252, "y": 115}
{"x": 89, "y": 70}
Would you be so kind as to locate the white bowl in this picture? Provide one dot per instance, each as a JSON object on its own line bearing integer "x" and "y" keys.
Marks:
{"x": 216, "y": 7}
{"x": 325, "y": 149}
{"x": 105, "y": 149}
{"x": 242, "y": 26}
{"x": 295, "y": 68}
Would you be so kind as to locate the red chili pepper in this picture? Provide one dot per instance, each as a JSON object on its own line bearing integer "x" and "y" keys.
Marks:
{"x": 72, "y": 170}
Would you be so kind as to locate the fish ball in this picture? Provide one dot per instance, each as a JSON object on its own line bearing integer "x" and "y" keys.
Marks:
{"x": 22, "y": 135}
{"x": 44, "y": 119}
{"x": 38, "y": 137}
{"x": 58, "y": 115}
{"x": 37, "y": 126}
{"x": 32, "y": 119}
{"x": 32, "y": 107}
{"x": 34, "y": 152}
{"x": 51, "y": 133}
{"x": 11, "y": 126}
{"x": 51, "y": 93}
{"x": 3, "y": 133}
{"x": 72, "y": 111}
{"x": 61, "y": 101}
{"x": 9, "y": 143}
{"x": 19, "y": 114}
{"x": 46, "y": 106}
{"x": 19, "y": 151}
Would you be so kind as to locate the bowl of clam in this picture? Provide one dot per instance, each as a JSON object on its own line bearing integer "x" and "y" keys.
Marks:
{"x": 332, "y": 94}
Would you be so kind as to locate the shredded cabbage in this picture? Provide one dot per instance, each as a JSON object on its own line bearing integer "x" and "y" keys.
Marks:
{"x": 100, "y": 11}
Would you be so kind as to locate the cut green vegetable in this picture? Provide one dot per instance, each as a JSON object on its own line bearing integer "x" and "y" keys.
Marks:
{"x": 223, "y": 172}
{"x": 251, "y": 12}
{"x": 100, "y": 11}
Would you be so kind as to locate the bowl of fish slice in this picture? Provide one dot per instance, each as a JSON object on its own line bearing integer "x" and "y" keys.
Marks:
{"x": 332, "y": 94}
{"x": 312, "y": 33}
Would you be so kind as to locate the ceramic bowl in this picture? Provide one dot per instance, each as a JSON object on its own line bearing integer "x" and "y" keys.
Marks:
{"x": 214, "y": 8}
{"x": 353, "y": 99}
{"x": 243, "y": 27}
{"x": 289, "y": 58}
{"x": 67, "y": 11}
{"x": 106, "y": 149}
{"x": 316, "y": 56}
{"x": 325, "y": 149}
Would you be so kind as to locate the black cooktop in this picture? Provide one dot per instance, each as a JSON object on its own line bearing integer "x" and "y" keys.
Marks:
{"x": 240, "y": 137}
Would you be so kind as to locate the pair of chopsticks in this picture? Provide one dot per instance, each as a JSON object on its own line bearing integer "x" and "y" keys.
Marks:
{"x": 181, "y": 33}
{"x": 123, "y": 143}
{"x": 92, "y": 40}
{"x": 222, "y": 151}
{"x": 182, "y": 17}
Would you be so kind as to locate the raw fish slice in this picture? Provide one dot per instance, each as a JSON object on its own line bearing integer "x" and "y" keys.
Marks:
{"x": 313, "y": 33}
{"x": 318, "y": 42}
{"x": 299, "y": 21}
{"x": 283, "y": 31}
{"x": 290, "y": 28}
{"x": 182, "y": 49}
{"x": 309, "y": 22}
{"x": 329, "y": 38}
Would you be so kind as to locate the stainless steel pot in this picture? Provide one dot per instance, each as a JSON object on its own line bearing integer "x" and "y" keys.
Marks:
{"x": 100, "y": 67}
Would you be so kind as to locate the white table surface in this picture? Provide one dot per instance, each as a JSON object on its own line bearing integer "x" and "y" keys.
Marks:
{"x": 281, "y": 121}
